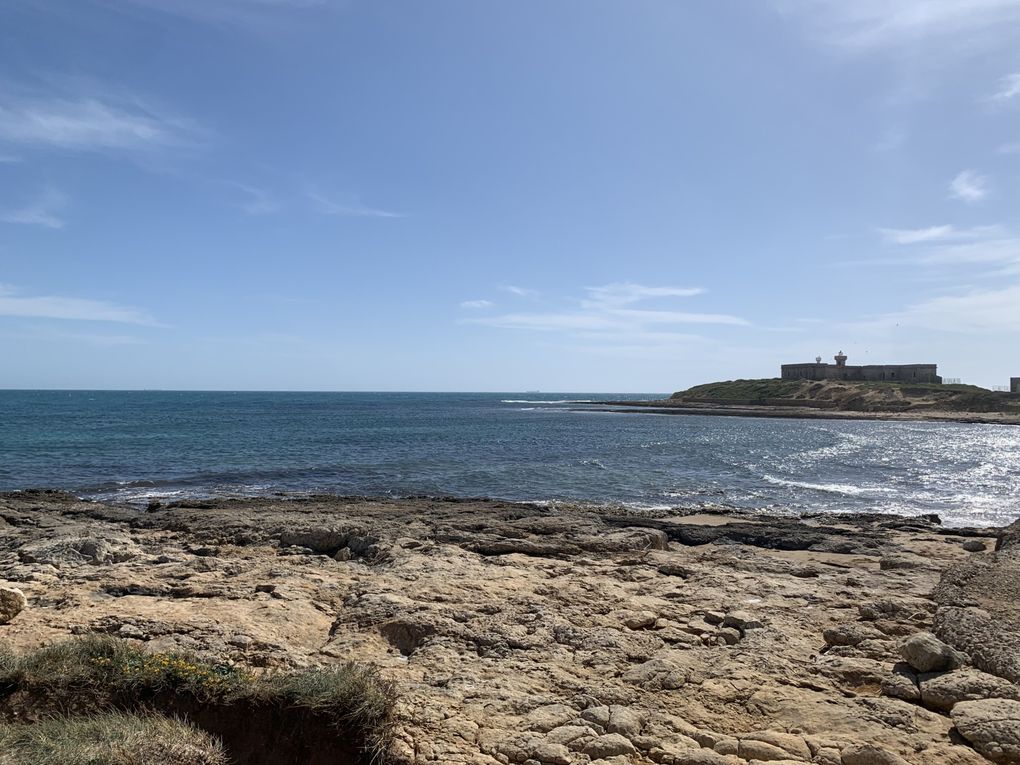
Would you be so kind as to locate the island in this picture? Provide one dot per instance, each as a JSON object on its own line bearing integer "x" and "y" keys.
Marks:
{"x": 836, "y": 399}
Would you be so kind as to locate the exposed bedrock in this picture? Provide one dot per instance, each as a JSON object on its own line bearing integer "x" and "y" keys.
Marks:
{"x": 562, "y": 635}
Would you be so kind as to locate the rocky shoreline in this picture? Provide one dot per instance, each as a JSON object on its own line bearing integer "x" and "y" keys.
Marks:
{"x": 800, "y": 412}
{"x": 562, "y": 635}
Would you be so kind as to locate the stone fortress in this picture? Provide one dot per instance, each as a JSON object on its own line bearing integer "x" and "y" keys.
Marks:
{"x": 917, "y": 373}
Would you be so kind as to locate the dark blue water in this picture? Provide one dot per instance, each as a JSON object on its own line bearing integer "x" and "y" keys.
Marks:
{"x": 133, "y": 446}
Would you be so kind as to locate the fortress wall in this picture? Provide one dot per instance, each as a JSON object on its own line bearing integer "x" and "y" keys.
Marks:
{"x": 918, "y": 373}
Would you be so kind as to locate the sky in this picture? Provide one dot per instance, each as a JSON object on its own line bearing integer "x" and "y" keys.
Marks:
{"x": 486, "y": 195}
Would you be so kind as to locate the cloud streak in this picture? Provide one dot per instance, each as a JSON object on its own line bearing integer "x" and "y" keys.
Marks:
{"x": 258, "y": 201}
{"x": 982, "y": 311}
{"x": 69, "y": 308}
{"x": 880, "y": 23}
{"x": 969, "y": 186}
{"x": 521, "y": 292}
{"x": 86, "y": 124}
{"x": 41, "y": 212}
{"x": 614, "y": 314}
{"x": 1009, "y": 88}
{"x": 943, "y": 233}
{"x": 477, "y": 304}
{"x": 327, "y": 206}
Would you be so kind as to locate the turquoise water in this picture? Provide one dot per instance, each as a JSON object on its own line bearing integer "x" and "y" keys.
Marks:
{"x": 136, "y": 446}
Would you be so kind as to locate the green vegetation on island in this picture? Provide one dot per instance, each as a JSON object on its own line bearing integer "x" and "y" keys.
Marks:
{"x": 848, "y": 396}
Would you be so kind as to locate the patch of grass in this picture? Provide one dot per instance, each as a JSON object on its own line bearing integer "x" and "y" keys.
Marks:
{"x": 105, "y": 673}
{"x": 108, "y": 739}
{"x": 106, "y": 668}
{"x": 8, "y": 662}
{"x": 744, "y": 390}
{"x": 353, "y": 695}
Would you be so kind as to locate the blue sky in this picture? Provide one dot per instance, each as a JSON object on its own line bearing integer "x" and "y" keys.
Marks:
{"x": 633, "y": 195}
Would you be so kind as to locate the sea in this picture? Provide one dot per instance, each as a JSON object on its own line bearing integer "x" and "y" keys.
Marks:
{"x": 134, "y": 447}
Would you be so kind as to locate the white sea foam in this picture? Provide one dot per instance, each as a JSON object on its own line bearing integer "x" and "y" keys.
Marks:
{"x": 561, "y": 401}
{"x": 830, "y": 488}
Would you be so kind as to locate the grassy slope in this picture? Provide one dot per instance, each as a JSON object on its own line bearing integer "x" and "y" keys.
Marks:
{"x": 858, "y": 396}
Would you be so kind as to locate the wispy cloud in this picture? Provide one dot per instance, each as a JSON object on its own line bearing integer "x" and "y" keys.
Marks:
{"x": 613, "y": 313}
{"x": 874, "y": 23}
{"x": 9, "y": 159}
{"x": 476, "y": 304}
{"x": 1009, "y": 88}
{"x": 84, "y": 122}
{"x": 969, "y": 186}
{"x": 944, "y": 233}
{"x": 68, "y": 308}
{"x": 42, "y": 211}
{"x": 625, "y": 293}
{"x": 257, "y": 14}
{"x": 990, "y": 310}
{"x": 522, "y": 292}
{"x": 1001, "y": 255}
{"x": 984, "y": 251}
{"x": 328, "y": 206}
{"x": 257, "y": 201}
{"x": 1010, "y": 148}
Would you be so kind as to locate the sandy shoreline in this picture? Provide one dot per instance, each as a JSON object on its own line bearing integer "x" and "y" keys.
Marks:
{"x": 567, "y": 636}
{"x": 801, "y": 413}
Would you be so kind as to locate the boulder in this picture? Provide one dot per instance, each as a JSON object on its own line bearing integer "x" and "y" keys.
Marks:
{"x": 902, "y": 562}
{"x": 609, "y": 745}
{"x": 551, "y": 754}
{"x": 638, "y": 620}
{"x": 657, "y": 674}
{"x": 992, "y": 727}
{"x": 615, "y": 719}
{"x": 545, "y": 718}
{"x": 729, "y": 635}
{"x": 902, "y": 683}
{"x": 12, "y": 603}
{"x": 926, "y": 653}
{"x": 741, "y": 620}
{"x": 795, "y": 746}
{"x": 943, "y": 690}
{"x": 851, "y": 634}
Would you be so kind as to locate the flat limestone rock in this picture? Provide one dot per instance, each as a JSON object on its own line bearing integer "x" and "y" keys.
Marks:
{"x": 868, "y": 754}
{"x": 944, "y": 690}
{"x": 992, "y": 727}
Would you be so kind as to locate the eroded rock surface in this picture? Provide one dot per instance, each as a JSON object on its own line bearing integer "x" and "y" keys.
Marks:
{"x": 560, "y": 635}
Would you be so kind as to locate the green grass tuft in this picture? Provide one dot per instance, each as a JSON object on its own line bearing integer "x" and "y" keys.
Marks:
{"x": 104, "y": 673}
{"x": 108, "y": 739}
